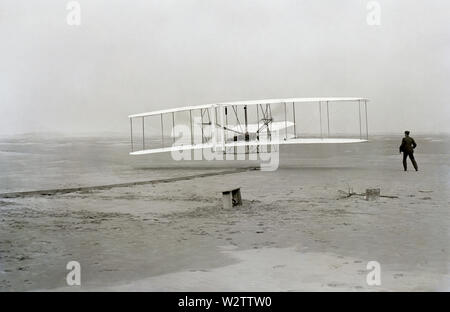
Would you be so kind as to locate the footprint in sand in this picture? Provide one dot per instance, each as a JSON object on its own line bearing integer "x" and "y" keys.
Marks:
{"x": 278, "y": 266}
{"x": 335, "y": 284}
{"x": 397, "y": 275}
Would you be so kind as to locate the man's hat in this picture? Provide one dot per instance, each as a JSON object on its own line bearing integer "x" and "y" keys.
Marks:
{"x": 407, "y": 132}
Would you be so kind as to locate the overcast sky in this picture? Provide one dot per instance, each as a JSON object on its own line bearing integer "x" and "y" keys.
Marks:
{"x": 134, "y": 56}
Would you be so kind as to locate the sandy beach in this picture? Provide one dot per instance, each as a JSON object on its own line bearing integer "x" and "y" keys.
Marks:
{"x": 294, "y": 232}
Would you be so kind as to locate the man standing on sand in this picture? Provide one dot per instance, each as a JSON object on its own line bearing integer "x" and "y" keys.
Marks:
{"x": 407, "y": 147}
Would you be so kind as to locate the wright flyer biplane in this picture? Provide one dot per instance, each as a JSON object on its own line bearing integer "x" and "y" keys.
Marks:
{"x": 248, "y": 125}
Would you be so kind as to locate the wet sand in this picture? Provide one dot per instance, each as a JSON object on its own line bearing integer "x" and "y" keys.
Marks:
{"x": 294, "y": 231}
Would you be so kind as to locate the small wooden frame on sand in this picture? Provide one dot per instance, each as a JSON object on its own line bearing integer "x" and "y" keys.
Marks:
{"x": 231, "y": 198}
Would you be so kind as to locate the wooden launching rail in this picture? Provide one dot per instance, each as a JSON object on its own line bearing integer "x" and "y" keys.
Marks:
{"x": 52, "y": 192}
